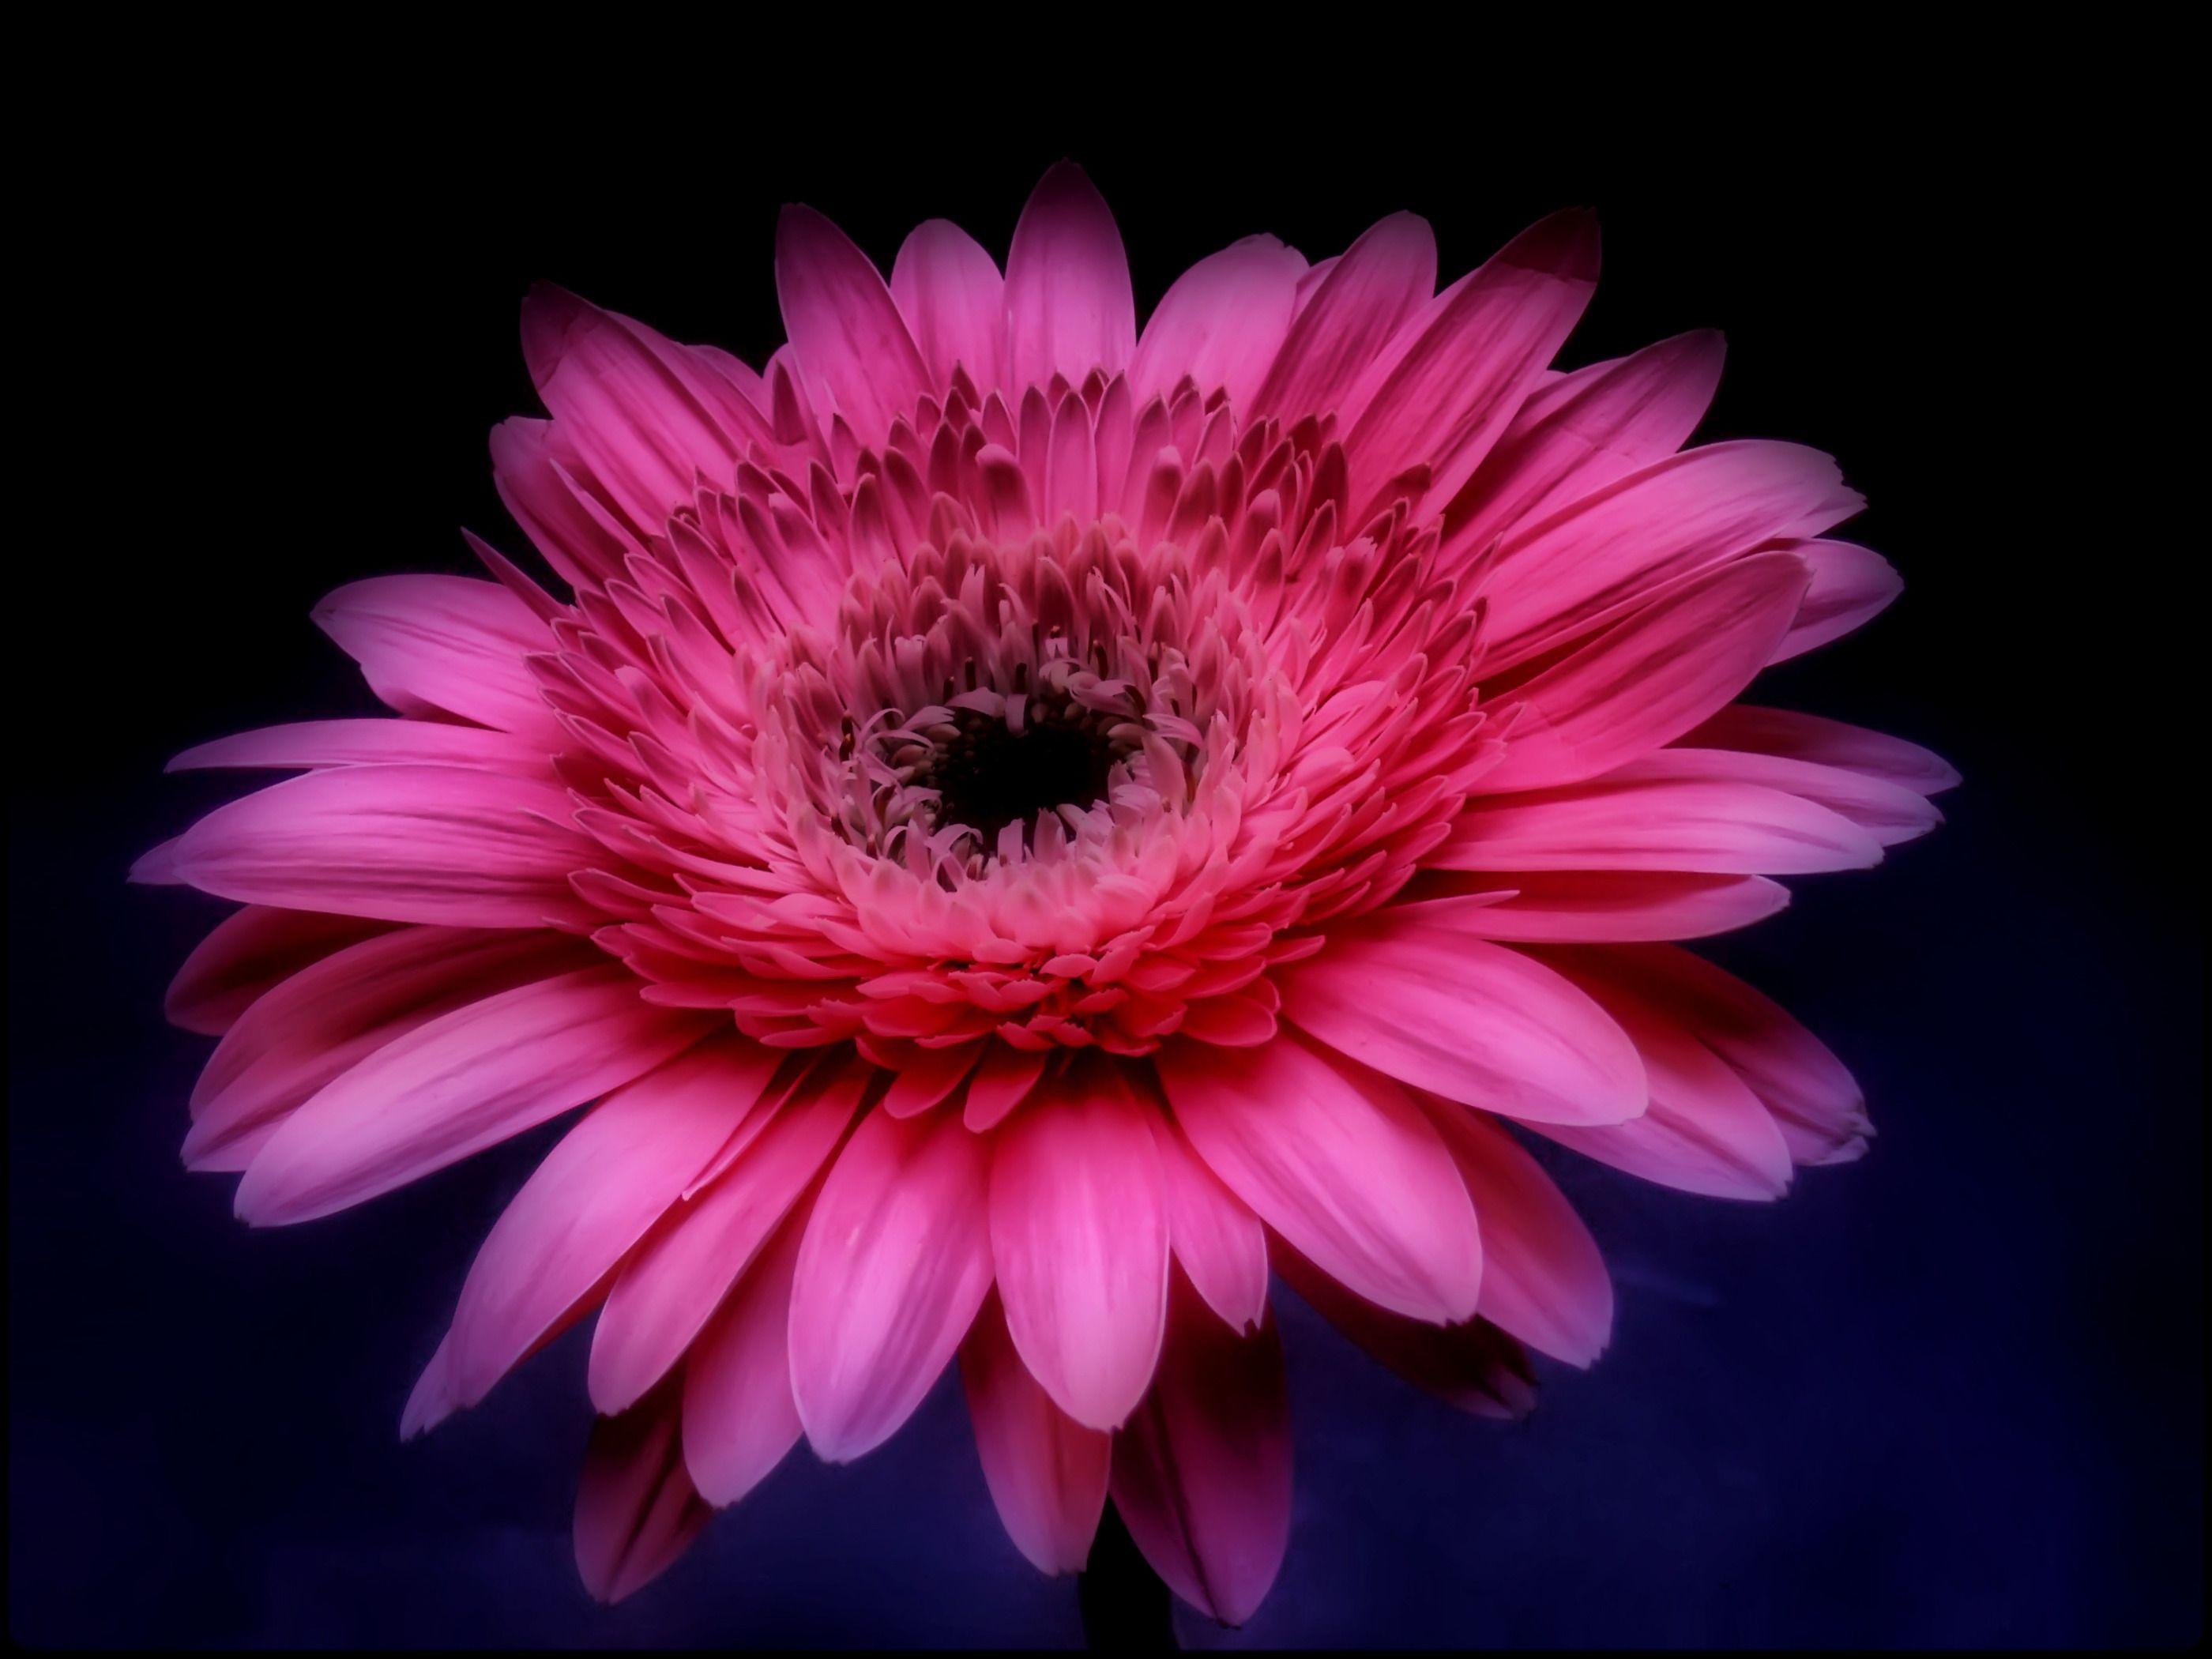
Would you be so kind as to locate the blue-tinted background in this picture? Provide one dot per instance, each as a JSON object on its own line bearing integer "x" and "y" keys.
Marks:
{"x": 1949, "y": 1395}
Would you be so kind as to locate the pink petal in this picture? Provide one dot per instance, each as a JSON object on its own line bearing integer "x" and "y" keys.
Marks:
{"x": 953, "y": 299}
{"x": 449, "y": 643}
{"x": 401, "y": 843}
{"x": 1442, "y": 390}
{"x": 844, "y": 325}
{"x": 1002, "y": 1081}
{"x": 1069, "y": 307}
{"x": 636, "y": 1512}
{"x": 1381, "y": 280}
{"x": 1544, "y": 1279}
{"x": 896, "y": 1260}
{"x": 1576, "y": 906}
{"x": 1603, "y": 553}
{"x": 1221, "y": 322}
{"x": 1417, "y": 994}
{"x": 1888, "y": 812}
{"x": 1815, "y": 1102}
{"x": 673, "y": 1281}
{"x": 1829, "y": 743}
{"x": 739, "y": 1419}
{"x": 1202, "y": 1473}
{"x": 1726, "y": 828}
{"x": 593, "y": 1198}
{"x": 1047, "y": 1473}
{"x": 461, "y": 1083}
{"x": 1650, "y": 677}
{"x": 335, "y": 1013}
{"x": 1705, "y": 1132}
{"x": 1473, "y": 1366}
{"x": 358, "y": 743}
{"x": 1218, "y": 1242}
{"x": 1850, "y": 588}
{"x": 1583, "y": 431}
{"x": 1079, "y": 1241}
{"x": 248, "y": 952}
{"x": 1344, "y": 1165}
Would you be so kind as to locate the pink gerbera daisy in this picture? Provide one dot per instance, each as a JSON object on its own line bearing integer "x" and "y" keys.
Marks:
{"x": 1023, "y": 825}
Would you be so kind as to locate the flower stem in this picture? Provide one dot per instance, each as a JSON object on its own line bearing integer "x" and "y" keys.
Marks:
{"x": 1124, "y": 1604}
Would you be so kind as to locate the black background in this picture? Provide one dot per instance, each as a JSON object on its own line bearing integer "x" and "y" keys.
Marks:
{"x": 1949, "y": 1396}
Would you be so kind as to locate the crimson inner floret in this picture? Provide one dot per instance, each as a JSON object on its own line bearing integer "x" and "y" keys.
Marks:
{"x": 986, "y": 774}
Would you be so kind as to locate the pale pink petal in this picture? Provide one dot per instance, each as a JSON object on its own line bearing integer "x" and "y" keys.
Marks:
{"x": 444, "y": 643}
{"x": 1416, "y": 993}
{"x": 844, "y": 325}
{"x": 593, "y": 1198}
{"x": 896, "y": 1260}
{"x": 1221, "y": 322}
{"x": 1650, "y": 677}
{"x": 1069, "y": 307}
{"x": 1380, "y": 281}
{"x": 1217, "y": 1240}
{"x": 636, "y": 1510}
{"x": 1079, "y": 1243}
{"x": 1047, "y": 1471}
{"x": 739, "y": 1419}
{"x": 1342, "y": 1164}
{"x": 1850, "y": 588}
{"x": 458, "y": 1085}
{"x": 953, "y": 299}
{"x": 401, "y": 843}
{"x": 1473, "y": 1366}
{"x": 685, "y": 1265}
{"x": 1202, "y": 1473}
{"x": 1600, "y": 905}
{"x": 1828, "y": 743}
{"x": 1544, "y": 1277}
{"x": 248, "y": 952}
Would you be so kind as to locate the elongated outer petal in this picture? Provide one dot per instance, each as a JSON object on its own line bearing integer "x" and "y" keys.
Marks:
{"x": 247, "y": 953}
{"x": 953, "y": 299}
{"x": 1220, "y": 1244}
{"x": 1889, "y": 812}
{"x": 1417, "y": 994}
{"x": 1079, "y": 1241}
{"x": 1650, "y": 677}
{"x": 362, "y": 742}
{"x": 896, "y": 1262}
{"x": 1705, "y": 1132}
{"x": 1474, "y": 1366}
{"x": 636, "y": 1510}
{"x": 335, "y": 1013}
{"x": 1624, "y": 823}
{"x": 1202, "y": 1473}
{"x": 1584, "y": 430}
{"x": 593, "y": 1198}
{"x": 1816, "y": 1103}
{"x": 1047, "y": 1471}
{"x": 1827, "y": 743}
{"x": 1442, "y": 391}
{"x": 1345, "y": 1166}
{"x": 1851, "y": 586}
{"x": 739, "y": 1419}
{"x": 1573, "y": 906}
{"x": 1221, "y": 322}
{"x": 1607, "y": 551}
{"x": 399, "y": 843}
{"x": 844, "y": 325}
{"x": 462, "y": 1083}
{"x": 1069, "y": 306}
{"x": 1351, "y": 312}
{"x": 672, "y": 1282}
{"x": 453, "y": 643}
{"x": 1544, "y": 1280}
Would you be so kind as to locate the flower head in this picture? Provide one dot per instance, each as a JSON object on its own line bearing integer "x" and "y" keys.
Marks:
{"x": 1024, "y": 826}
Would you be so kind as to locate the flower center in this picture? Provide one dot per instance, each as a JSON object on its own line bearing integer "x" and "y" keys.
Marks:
{"x": 1047, "y": 751}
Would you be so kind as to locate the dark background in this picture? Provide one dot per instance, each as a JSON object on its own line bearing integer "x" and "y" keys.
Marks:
{"x": 1950, "y": 1395}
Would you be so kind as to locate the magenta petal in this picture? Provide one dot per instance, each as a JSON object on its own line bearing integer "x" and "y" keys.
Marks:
{"x": 248, "y": 952}
{"x": 953, "y": 299}
{"x": 1218, "y": 1242}
{"x": 1221, "y": 322}
{"x": 444, "y": 642}
{"x": 1069, "y": 308}
{"x": 1047, "y": 1471}
{"x": 844, "y": 325}
{"x": 896, "y": 1260}
{"x": 1202, "y": 1473}
{"x": 636, "y": 1510}
{"x": 739, "y": 1419}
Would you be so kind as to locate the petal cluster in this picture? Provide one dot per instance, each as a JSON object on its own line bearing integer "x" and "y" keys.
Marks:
{"x": 1020, "y": 828}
